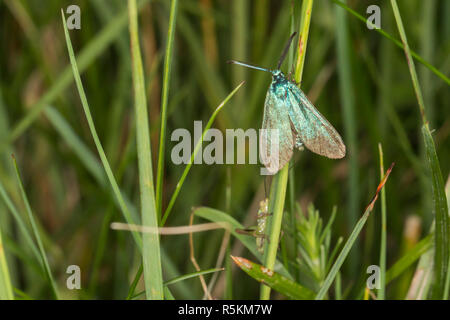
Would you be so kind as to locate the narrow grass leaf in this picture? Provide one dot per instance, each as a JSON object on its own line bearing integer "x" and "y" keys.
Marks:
{"x": 351, "y": 240}
{"x": 97, "y": 142}
{"x": 6, "y": 292}
{"x": 249, "y": 242}
{"x": 196, "y": 150}
{"x": 37, "y": 236}
{"x": 151, "y": 254}
{"x": 164, "y": 103}
{"x": 395, "y": 41}
{"x": 274, "y": 280}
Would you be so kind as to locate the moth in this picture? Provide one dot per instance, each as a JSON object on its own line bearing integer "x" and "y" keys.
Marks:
{"x": 291, "y": 121}
{"x": 259, "y": 232}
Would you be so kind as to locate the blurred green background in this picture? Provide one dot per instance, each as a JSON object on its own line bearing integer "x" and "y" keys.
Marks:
{"x": 356, "y": 77}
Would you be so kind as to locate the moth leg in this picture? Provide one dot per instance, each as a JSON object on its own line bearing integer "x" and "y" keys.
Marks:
{"x": 262, "y": 215}
{"x": 247, "y": 232}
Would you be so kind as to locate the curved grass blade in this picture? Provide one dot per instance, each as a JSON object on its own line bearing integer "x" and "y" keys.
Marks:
{"x": 441, "y": 239}
{"x": 274, "y": 280}
{"x": 409, "y": 258}
{"x": 110, "y": 32}
{"x": 97, "y": 142}
{"x": 351, "y": 240}
{"x": 43, "y": 256}
{"x": 397, "y": 43}
{"x": 183, "y": 277}
{"x": 220, "y": 217}
{"x": 196, "y": 149}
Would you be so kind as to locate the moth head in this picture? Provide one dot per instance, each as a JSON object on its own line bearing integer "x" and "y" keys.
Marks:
{"x": 277, "y": 75}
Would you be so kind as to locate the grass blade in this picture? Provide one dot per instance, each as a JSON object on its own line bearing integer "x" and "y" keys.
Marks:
{"x": 279, "y": 185}
{"x": 164, "y": 103}
{"x": 6, "y": 292}
{"x": 382, "y": 290}
{"x": 398, "y": 43}
{"x": 409, "y": 258}
{"x": 196, "y": 149}
{"x": 441, "y": 239}
{"x": 97, "y": 142}
{"x": 43, "y": 256}
{"x": 88, "y": 54}
{"x": 274, "y": 280}
{"x": 151, "y": 254}
{"x": 219, "y": 216}
{"x": 351, "y": 240}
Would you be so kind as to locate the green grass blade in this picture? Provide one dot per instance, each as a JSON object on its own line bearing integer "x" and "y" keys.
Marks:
{"x": 441, "y": 238}
{"x": 249, "y": 242}
{"x": 409, "y": 258}
{"x": 164, "y": 103}
{"x": 151, "y": 254}
{"x": 441, "y": 243}
{"x": 6, "y": 292}
{"x": 196, "y": 149}
{"x": 37, "y": 236}
{"x": 181, "y": 278}
{"x": 20, "y": 223}
{"x": 351, "y": 240}
{"x": 398, "y": 43}
{"x": 382, "y": 290}
{"x": 97, "y": 142}
{"x": 347, "y": 98}
{"x": 274, "y": 280}
{"x": 88, "y": 54}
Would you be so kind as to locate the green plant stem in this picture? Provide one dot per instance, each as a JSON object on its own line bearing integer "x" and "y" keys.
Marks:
{"x": 280, "y": 182}
{"x": 381, "y": 292}
{"x": 164, "y": 103}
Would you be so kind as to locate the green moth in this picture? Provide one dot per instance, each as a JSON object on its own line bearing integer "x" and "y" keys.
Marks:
{"x": 291, "y": 121}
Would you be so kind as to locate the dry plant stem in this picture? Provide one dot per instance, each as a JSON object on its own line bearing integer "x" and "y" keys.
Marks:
{"x": 194, "y": 261}
{"x": 170, "y": 230}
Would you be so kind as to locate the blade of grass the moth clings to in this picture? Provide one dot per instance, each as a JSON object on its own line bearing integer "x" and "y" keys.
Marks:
{"x": 279, "y": 184}
{"x": 36, "y": 234}
{"x": 196, "y": 150}
{"x": 351, "y": 240}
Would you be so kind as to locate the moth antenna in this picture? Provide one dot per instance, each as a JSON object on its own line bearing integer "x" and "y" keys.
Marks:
{"x": 286, "y": 49}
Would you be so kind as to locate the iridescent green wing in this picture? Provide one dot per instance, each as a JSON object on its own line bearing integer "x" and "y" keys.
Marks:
{"x": 311, "y": 128}
{"x": 276, "y": 128}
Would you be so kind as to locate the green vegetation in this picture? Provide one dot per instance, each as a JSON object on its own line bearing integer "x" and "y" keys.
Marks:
{"x": 88, "y": 116}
